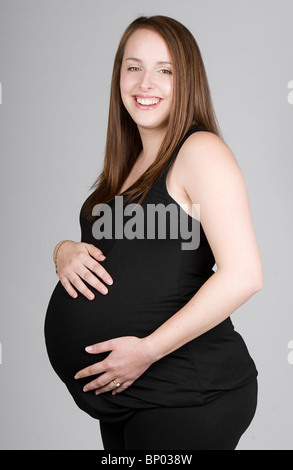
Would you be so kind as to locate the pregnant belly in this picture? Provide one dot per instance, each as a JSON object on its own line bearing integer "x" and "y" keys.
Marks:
{"x": 134, "y": 306}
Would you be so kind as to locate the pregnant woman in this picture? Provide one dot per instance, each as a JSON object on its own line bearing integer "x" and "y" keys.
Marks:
{"x": 139, "y": 327}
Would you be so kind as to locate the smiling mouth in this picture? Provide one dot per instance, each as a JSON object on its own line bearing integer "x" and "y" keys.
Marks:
{"x": 146, "y": 103}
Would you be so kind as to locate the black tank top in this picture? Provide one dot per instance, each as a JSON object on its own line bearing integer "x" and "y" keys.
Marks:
{"x": 153, "y": 278}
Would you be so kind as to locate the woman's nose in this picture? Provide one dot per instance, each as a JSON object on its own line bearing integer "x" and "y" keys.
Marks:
{"x": 146, "y": 81}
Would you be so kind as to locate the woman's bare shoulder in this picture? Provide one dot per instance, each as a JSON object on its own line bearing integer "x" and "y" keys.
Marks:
{"x": 205, "y": 156}
{"x": 205, "y": 145}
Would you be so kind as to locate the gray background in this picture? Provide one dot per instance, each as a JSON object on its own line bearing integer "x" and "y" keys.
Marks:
{"x": 55, "y": 67}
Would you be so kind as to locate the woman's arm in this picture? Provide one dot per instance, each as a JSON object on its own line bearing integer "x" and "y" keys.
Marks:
{"x": 209, "y": 174}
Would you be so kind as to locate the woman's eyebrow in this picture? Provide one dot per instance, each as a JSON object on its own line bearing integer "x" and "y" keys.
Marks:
{"x": 161, "y": 62}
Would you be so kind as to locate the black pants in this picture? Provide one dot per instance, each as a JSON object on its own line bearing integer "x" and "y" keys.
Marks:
{"x": 217, "y": 425}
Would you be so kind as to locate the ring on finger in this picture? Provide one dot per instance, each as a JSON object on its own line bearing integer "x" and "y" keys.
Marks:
{"x": 117, "y": 384}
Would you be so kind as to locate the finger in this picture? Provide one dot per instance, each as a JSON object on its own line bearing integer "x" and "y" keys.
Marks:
{"x": 94, "y": 369}
{"x": 98, "y": 367}
{"x": 77, "y": 282}
{"x": 84, "y": 264}
{"x": 86, "y": 268}
{"x": 93, "y": 281}
{"x": 110, "y": 387}
{"x": 68, "y": 287}
{"x": 95, "y": 252}
{"x": 122, "y": 387}
{"x": 99, "y": 383}
{"x": 103, "y": 346}
{"x": 99, "y": 270}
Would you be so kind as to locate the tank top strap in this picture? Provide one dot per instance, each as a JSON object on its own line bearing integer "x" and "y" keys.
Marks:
{"x": 194, "y": 128}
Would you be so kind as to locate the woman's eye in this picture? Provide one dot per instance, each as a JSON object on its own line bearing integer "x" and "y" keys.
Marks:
{"x": 133, "y": 69}
{"x": 166, "y": 71}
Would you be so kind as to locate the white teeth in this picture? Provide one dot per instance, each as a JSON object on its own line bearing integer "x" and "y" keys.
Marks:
{"x": 147, "y": 101}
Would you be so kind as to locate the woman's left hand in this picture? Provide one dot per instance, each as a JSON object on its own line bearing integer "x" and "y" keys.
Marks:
{"x": 129, "y": 358}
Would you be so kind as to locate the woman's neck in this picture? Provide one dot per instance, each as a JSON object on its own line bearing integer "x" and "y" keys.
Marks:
{"x": 151, "y": 142}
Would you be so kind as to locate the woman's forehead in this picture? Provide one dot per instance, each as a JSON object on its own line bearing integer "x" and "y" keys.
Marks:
{"x": 145, "y": 44}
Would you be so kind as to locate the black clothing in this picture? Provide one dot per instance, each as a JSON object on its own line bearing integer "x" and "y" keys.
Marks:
{"x": 217, "y": 425}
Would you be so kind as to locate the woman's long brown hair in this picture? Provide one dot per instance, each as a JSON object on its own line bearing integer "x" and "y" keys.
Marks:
{"x": 191, "y": 104}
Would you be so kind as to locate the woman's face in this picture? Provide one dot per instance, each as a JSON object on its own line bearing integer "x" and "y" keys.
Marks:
{"x": 146, "y": 80}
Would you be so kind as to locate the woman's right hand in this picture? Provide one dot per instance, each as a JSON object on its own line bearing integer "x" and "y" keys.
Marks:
{"x": 78, "y": 261}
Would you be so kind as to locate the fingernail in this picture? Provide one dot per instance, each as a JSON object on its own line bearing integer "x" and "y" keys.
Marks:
{"x": 104, "y": 290}
{"x": 89, "y": 348}
{"x": 91, "y": 296}
{"x": 76, "y": 376}
{"x": 109, "y": 281}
